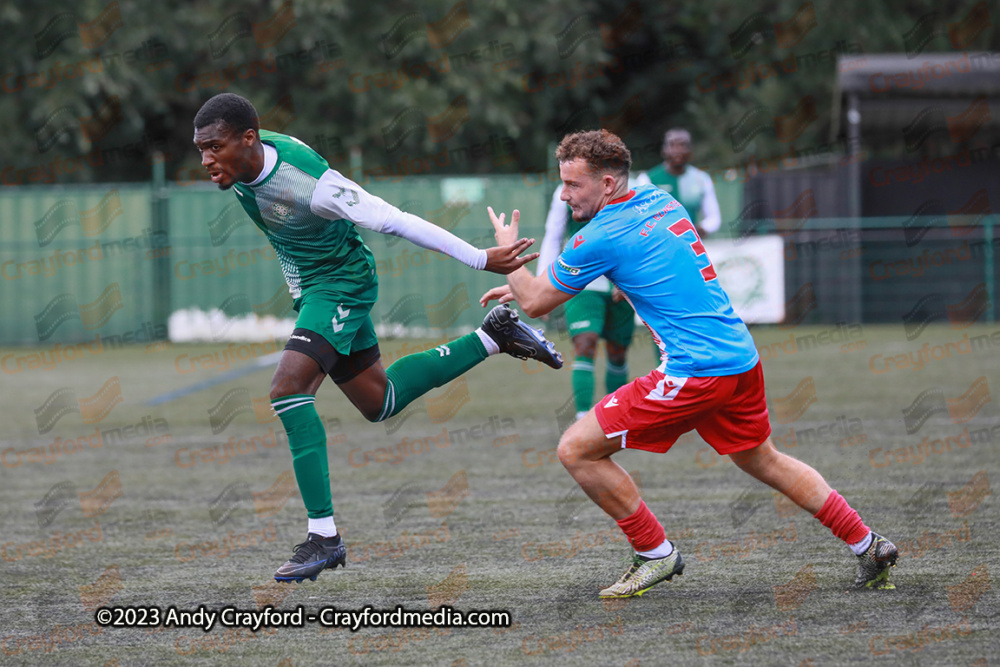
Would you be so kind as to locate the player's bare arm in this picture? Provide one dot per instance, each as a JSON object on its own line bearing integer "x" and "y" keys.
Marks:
{"x": 535, "y": 294}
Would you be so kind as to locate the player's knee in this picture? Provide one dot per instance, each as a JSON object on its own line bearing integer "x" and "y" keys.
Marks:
{"x": 585, "y": 345}
{"x": 371, "y": 413}
{"x": 758, "y": 458}
{"x": 568, "y": 451}
{"x": 572, "y": 448}
{"x": 282, "y": 386}
{"x": 616, "y": 353}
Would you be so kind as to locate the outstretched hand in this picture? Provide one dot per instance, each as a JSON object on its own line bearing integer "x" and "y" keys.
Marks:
{"x": 503, "y": 293}
{"x": 504, "y": 257}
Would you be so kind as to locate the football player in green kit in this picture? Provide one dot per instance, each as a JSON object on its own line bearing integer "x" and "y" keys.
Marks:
{"x": 309, "y": 213}
{"x": 689, "y": 185}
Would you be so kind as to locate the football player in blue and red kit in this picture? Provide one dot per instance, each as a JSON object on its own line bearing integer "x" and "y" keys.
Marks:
{"x": 709, "y": 378}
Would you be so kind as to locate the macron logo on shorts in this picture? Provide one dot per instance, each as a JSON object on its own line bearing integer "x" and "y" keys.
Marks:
{"x": 308, "y": 340}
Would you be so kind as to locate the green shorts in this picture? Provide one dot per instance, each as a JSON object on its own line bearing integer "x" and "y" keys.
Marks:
{"x": 344, "y": 321}
{"x": 594, "y": 312}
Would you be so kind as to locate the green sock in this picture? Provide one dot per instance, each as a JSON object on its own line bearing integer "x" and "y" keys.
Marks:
{"x": 583, "y": 383}
{"x": 415, "y": 374}
{"x": 307, "y": 440}
{"x": 615, "y": 376}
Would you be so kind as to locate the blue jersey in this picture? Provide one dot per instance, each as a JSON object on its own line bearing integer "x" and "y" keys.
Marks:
{"x": 645, "y": 243}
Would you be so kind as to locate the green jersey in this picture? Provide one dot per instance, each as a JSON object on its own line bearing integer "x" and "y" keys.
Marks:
{"x": 313, "y": 250}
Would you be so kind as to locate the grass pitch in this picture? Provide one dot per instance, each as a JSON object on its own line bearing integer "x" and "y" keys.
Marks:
{"x": 461, "y": 501}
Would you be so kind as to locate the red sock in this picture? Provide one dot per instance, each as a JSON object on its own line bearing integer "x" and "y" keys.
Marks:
{"x": 642, "y": 529}
{"x": 843, "y": 521}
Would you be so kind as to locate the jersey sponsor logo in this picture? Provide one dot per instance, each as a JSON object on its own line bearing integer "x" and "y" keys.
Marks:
{"x": 572, "y": 270}
{"x": 642, "y": 207}
{"x": 555, "y": 278}
{"x": 578, "y": 241}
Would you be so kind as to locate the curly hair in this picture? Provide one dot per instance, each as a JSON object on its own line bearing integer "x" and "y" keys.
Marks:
{"x": 235, "y": 111}
{"x": 602, "y": 150}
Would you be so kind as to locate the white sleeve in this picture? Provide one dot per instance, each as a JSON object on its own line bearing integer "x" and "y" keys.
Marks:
{"x": 555, "y": 230}
{"x": 339, "y": 198}
{"x": 711, "y": 218}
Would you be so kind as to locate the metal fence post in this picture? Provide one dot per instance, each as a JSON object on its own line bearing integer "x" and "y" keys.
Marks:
{"x": 159, "y": 202}
{"x": 988, "y": 268}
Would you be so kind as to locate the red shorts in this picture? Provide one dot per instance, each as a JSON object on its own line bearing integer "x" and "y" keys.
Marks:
{"x": 651, "y": 412}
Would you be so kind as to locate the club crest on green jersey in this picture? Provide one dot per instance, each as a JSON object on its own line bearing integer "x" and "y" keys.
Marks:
{"x": 281, "y": 209}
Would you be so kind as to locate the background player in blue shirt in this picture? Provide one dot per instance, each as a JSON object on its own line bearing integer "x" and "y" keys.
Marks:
{"x": 709, "y": 378}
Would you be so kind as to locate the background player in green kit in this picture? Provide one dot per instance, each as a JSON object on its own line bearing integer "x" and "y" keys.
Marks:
{"x": 599, "y": 311}
{"x": 689, "y": 185}
{"x": 309, "y": 213}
